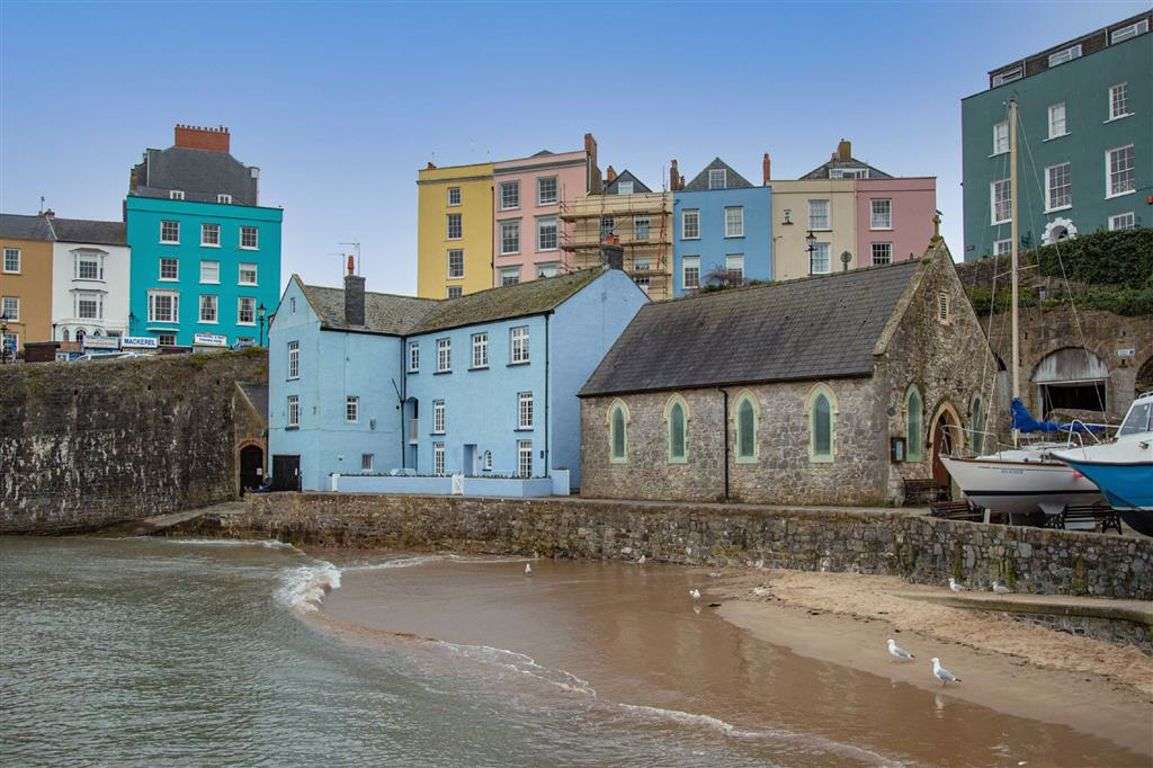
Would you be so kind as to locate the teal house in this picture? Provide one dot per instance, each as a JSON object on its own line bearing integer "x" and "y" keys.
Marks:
{"x": 1085, "y": 140}
{"x": 205, "y": 254}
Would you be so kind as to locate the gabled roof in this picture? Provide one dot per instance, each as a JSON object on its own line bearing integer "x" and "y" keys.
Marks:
{"x": 199, "y": 173}
{"x": 385, "y": 313}
{"x": 823, "y": 171}
{"x": 56, "y": 229}
{"x": 626, "y": 175}
{"x": 20, "y": 227}
{"x": 734, "y": 180}
{"x": 811, "y": 328}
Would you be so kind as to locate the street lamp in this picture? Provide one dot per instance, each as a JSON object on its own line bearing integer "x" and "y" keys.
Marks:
{"x": 260, "y": 313}
{"x": 811, "y": 239}
{"x": 4, "y": 337}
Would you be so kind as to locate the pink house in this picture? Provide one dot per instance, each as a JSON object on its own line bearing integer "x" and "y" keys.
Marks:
{"x": 894, "y": 218}
{"x": 528, "y": 194}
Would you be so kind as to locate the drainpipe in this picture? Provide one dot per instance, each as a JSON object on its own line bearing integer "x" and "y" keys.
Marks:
{"x": 725, "y": 395}
{"x": 547, "y": 453}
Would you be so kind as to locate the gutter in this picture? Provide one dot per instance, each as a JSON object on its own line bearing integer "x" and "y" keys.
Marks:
{"x": 725, "y": 395}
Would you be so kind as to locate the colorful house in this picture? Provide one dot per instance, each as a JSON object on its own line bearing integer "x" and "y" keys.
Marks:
{"x": 372, "y": 391}
{"x": 1085, "y": 132}
{"x": 205, "y": 254}
{"x": 25, "y": 281}
{"x": 722, "y": 228}
{"x": 90, "y": 281}
{"x": 454, "y": 230}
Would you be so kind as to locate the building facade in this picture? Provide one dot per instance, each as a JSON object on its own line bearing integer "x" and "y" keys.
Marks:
{"x": 90, "y": 279}
{"x": 205, "y": 254}
{"x": 1085, "y": 138}
{"x": 454, "y": 230}
{"x": 25, "y": 281}
{"x": 722, "y": 229}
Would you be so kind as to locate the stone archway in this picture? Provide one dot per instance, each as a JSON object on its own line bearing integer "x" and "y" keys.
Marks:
{"x": 946, "y": 438}
{"x": 249, "y": 465}
{"x": 1071, "y": 379}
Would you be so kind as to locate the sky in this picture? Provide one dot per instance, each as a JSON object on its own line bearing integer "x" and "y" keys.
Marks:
{"x": 341, "y": 103}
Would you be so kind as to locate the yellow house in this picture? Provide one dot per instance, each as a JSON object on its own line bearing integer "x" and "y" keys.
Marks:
{"x": 25, "y": 279}
{"x": 825, "y": 207}
{"x": 454, "y": 230}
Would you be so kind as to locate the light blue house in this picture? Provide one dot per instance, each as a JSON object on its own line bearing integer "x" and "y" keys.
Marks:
{"x": 722, "y": 230}
{"x": 378, "y": 392}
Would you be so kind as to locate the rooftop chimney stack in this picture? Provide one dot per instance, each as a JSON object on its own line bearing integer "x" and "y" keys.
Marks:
{"x": 766, "y": 170}
{"x": 593, "y": 182}
{"x": 844, "y": 150}
{"x": 207, "y": 139}
{"x": 610, "y": 175}
{"x": 612, "y": 254}
{"x": 353, "y": 296}
{"x": 676, "y": 181}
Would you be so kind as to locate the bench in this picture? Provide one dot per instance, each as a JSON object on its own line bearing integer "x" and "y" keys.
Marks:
{"x": 924, "y": 492}
{"x": 1099, "y": 517}
{"x": 956, "y": 510}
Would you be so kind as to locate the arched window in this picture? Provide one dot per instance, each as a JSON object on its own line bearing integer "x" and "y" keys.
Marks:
{"x": 914, "y": 423}
{"x": 746, "y": 429}
{"x": 64, "y": 335}
{"x": 821, "y": 410}
{"x": 618, "y": 432}
{"x": 676, "y": 418}
{"x": 977, "y": 419}
{"x": 79, "y": 334}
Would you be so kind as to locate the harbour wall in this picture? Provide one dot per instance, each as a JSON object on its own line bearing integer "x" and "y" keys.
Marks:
{"x": 914, "y": 546}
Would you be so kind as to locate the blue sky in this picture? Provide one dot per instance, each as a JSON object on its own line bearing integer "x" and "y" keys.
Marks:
{"x": 341, "y": 103}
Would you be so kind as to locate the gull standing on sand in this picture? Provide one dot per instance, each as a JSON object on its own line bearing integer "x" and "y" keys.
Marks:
{"x": 1000, "y": 588}
{"x": 528, "y": 569}
{"x": 695, "y": 593}
{"x": 942, "y": 674}
{"x": 899, "y": 653}
{"x": 953, "y": 585}
{"x": 641, "y": 560}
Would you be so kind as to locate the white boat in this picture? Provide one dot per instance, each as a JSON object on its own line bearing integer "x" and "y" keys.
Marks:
{"x": 1022, "y": 481}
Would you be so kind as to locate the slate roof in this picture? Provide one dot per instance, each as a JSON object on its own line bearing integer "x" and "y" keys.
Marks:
{"x": 626, "y": 175}
{"x": 56, "y": 229}
{"x": 822, "y": 171}
{"x": 734, "y": 180}
{"x": 20, "y": 227}
{"x": 811, "y": 328}
{"x": 199, "y": 173}
{"x": 385, "y": 313}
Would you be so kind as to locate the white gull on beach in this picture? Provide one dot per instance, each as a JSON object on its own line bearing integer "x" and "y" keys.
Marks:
{"x": 899, "y": 653}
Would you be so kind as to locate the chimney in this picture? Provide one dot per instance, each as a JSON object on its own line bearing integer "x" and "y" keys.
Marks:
{"x": 612, "y": 254}
{"x": 353, "y": 296}
{"x": 593, "y": 184}
{"x": 208, "y": 139}
{"x": 676, "y": 182}
{"x": 844, "y": 150}
{"x": 766, "y": 170}
{"x": 610, "y": 175}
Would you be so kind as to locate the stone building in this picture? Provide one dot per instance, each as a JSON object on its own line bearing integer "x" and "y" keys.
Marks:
{"x": 826, "y": 390}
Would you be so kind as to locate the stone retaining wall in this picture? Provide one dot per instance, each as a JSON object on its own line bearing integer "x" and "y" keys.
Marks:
{"x": 919, "y": 548}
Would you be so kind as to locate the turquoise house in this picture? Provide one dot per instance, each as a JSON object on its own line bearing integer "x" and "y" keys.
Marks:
{"x": 205, "y": 254}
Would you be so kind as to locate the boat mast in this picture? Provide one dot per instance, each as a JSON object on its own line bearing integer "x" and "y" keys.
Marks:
{"x": 1015, "y": 239}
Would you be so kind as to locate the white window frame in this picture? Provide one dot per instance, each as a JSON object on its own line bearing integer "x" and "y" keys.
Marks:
{"x": 480, "y": 350}
{"x": 215, "y": 265}
{"x": 1008, "y": 76}
{"x": 1109, "y": 193}
{"x": 827, "y": 248}
{"x": 509, "y": 227}
{"x": 366, "y": 462}
{"x": 1065, "y": 55}
{"x": 453, "y": 292}
{"x": 693, "y": 215}
{"x": 224, "y": 199}
{"x": 4, "y": 303}
{"x": 735, "y": 262}
{"x": 240, "y": 305}
{"x": 93, "y": 297}
{"x": 91, "y": 258}
{"x": 543, "y": 222}
{"x": 1128, "y": 31}
{"x": 642, "y": 223}
{"x": 993, "y": 220}
{"x": 245, "y": 231}
{"x": 414, "y": 357}
{"x": 886, "y": 217}
{"x": 293, "y": 359}
{"x": 1002, "y": 247}
{"x": 723, "y": 178}
{"x": 524, "y": 410}
{"x": 518, "y": 345}
{"x": 175, "y": 194}
{"x": 205, "y": 240}
{"x": 438, "y": 458}
{"x": 504, "y": 196}
{"x": 1064, "y": 121}
{"x": 541, "y": 198}
{"x": 453, "y": 253}
{"x": 1114, "y": 220}
{"x": 828, "y": 205}
{"x": 449, "y": 218}
{"x": 172, "y": 226}
{"x": 631, "y": 188}
{"x": 351, "y": 409}
{"x": 214, "y": 302}
{"x": 246, "y": 266}
{"x": 1123, "y": 88}
{"x": 943, "y": 309}
{"x": 17, "y": 255}
{"x": 694, "y": 266}
{"x": 443, "y": 355}
{"x": 1000, "y": 138}
{"x": 168, "y": 260}
{"x": 885, "y": 248}
{"x": 509, "y": 275}
{"x": 292, "y": 405}
{"x": 1050, "y": 172}
{"x": 166, "y": 339}
{"x": 450, "y": 202}
{"x": 439, "y": 417}
{"x": 734, "y": 224}
{"x": 175, "y": 306}
{"x": 524, "y": 458}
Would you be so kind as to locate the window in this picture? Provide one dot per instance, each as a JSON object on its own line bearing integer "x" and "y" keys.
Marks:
{"x": 443, "y": 355}
{"x": 819, "y": 214}
{"x": 1002, "y": 247}
{"x": 942, "y": 307}
{"x": 509, "y": 195}
{"x": 249, "y": 238}
{"x": 1119, "y": 101}
{"x": 641, "y": 227}
{"x": 454, "y": 292}
{"x": 746, "y": 429}
{"x": 608, "y": 226}
{"x": 819, "y": 262}
{"x": 163, "y": 339}
{"x": 208, "y": 308}
{"x": 642, "y": 264}
{"x": 1008, "y": 76}
{"x": 210, "y": 272}
{"x": 455, "y": 264}
{"x": 1001, "y": 137}
{"x": 1057, "y": 125}
{"x": 518, "y": 344}
{"x": 690, "y": 224}
{"x": 294, "y": 359}
{"x": 1122, "y": 221}
{"x": 735, "y": 221}
{"x": 480, "y": 350}
{"x": 551, "y": 269}
{"x": 89, "y": 266}
{"x": 1000, "y": 206}
{"x": 1128, "y": 31}
{"x": 644, "y": 282}
{"x": 524, "y": 410}
{"x": 821, "y": 412}
{"x": 524, "y": 458}
{"x": 848, "y": 173}
{"x": 1059, "y": 187}
{"x": 546, "y": 190}
{"x": 292, "y": 304}
{"x": 293, "y": 408}
{"x": 691, "y": 272}
{"x": 1068, "y": 54}
{"x": 625, "y": 187}
{"x": 413, "y": 356}
{"x": 12, "y": 260}
{"x": 224, "y": 199}
{"x": 89, "y": 306}
{"x": 914, "y": 418}
{"x": 735, "y": 266}
{"x": 881, "y": 214}
{"x": 454, "y": 195}
{"x": 978, "y": 422}
{"x": 675, "y": 419}
{"x": 247, "y": 274}
{"x": 454, "y": 227}
{"x": 546, "y": 233}
{"x": 169, "y": 269}
{"x": 352, "y": 409}
{"x": 163, "y": 306}
{"x": 618, "y": 433}
{"x": 438, "y": 417}
{"x": 246, "y": 311}
{"x": 175, "y": 194}
{"x": 510, "y": 276}
{"x": 366, "y": 462}
{"x": 210, "y": 235}
{"x": 170, "y": 231}
{"x": 10, "y": 308}
{"x": 718, "y": 178}
{"x": 882, "y": 253}
{"x": 1119, "y": 167}
{"x": 438, "y": 458}
{"x": 509, "y": 237}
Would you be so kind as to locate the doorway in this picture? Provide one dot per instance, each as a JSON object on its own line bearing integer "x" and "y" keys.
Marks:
{"x": 251, "y": 468}
{"x": 946, "y": 438}
{"x": 468, "y": 461}
{"x": 285, "y": 473}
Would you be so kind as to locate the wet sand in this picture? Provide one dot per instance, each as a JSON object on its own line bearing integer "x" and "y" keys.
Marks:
{"x": 778, "y": 683}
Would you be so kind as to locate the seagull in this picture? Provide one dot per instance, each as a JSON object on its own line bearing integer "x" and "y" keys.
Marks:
{"x": 528, "y": 569}
{"x": 953, "y": 585}
{"x": 1000, "y": 588}
{"x": 760, "y": 564}
{"x": 942, "y": 674}
{"x": 641, "y": 560}
{"x": 761, "y": 591}
{"x": 899, "y": 653}
{"x": 695, "y": 593}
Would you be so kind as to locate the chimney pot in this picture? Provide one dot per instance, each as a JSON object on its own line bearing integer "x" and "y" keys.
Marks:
{"x": 844, "y": 150}
{"x": 766, "y": 170}
{"x": 195, "y": 137}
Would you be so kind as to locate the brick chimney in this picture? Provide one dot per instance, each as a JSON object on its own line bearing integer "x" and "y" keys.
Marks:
{"x": 676, "y": 181}
{"x": 208, "y": 139}
{"x": 844, "y": 150}
{"x": 610, "y": 175}
{"x": 612, "y": 254}
{"x": 353, "y": 296}
{"x": 766, "y": 170}
{"x": 593, "y": 184}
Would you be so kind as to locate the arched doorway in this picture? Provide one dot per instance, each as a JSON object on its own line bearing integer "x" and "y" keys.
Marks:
{"x": 1071, "y": 379}
{"x": 945, "y": 439}
{"x": 251, "y": 467}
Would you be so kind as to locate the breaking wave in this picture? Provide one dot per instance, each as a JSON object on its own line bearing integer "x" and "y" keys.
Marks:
{"x": 522, "y": 663}
{"x": 266, "y": 543}
{"x": 304, "y": 587}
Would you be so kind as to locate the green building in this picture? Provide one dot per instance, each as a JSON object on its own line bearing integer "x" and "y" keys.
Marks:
{"x": 1085, "y": 141}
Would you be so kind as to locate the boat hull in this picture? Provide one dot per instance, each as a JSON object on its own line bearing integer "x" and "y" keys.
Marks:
{"x": 1127, "y": 486}
{"x": 1021, "y": 487}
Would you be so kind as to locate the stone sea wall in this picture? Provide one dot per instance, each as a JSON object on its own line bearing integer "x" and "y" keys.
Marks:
{"x": 83, "y": 445}
{"x": 916, "y": 547}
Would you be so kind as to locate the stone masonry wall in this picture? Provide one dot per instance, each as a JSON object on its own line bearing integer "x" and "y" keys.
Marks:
{"x": 84, "y": 445}
{"x": 919, "y": 548}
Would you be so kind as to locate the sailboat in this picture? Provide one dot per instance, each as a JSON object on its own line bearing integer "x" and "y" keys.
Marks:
{"x": 1023, "y": 479}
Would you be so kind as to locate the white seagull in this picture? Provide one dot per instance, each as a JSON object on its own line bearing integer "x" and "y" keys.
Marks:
{"x": 942, "y": 674}
{"x": 899, "y": 653}
{"x": 695, "y": 593}
{"x": 528, "y": 569}
{"x": 953, "y": 585}
{"x": 641, "y": 560}
{"x": 760, "y": 564}
{"x": 1000, "y": 588}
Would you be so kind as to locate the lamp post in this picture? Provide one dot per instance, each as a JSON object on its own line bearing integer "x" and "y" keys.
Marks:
{"x": 811, "y": 240}
{"x": 4, "y": 337}
{"x": 260, "y": 313}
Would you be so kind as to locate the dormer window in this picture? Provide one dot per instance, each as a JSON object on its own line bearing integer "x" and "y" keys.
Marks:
{"x": 1008, "y": 76}
{"x": 1062, "y": 56}
{"x": 176, "y": 194}
{"x": 718, "y": 178}
{"x": 224, "y": 199}
{"x": 1128, "y": 31}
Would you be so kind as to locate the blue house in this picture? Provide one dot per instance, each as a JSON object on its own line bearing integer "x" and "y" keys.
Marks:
{"x": 205, "y": 255}
{"x": 372, "y": 391}
{"x": 722, "y": 229}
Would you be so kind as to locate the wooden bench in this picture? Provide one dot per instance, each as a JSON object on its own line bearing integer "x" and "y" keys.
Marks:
{"x": 924, "y": 492}
{"x": 956, "y": 510}
{"x": 1100, "y": 516}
